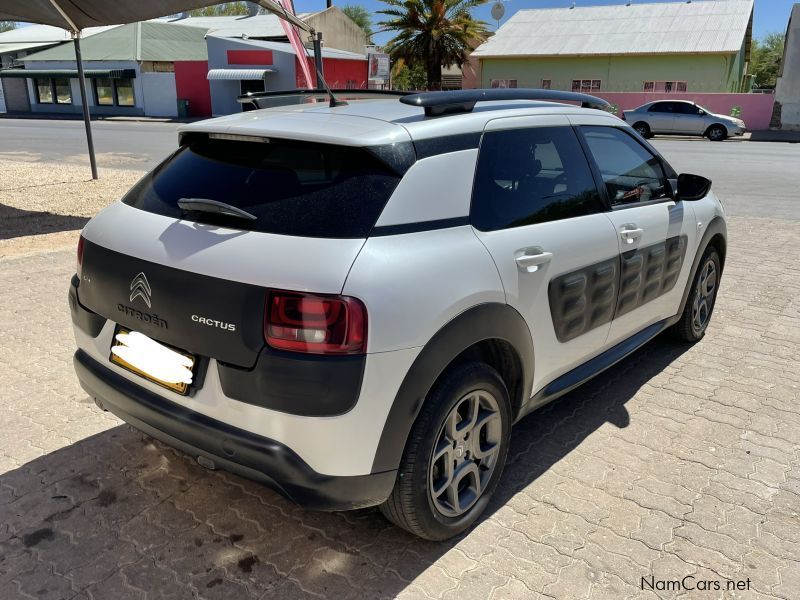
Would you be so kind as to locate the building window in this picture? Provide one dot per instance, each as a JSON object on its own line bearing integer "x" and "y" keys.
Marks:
{"x": 104, "y": 91}
{"x": 503, "y": 83}
{"x": 53, "y": 90}
{"x": 586, "y": 86}
{"x": 546, "y": 84}
{"x": 114, "y": 92}
{"x": 44, "y": 90}
{"x": 665, "y": 87}
{"x": 124, "y": 89}
{"x": 63, "y": 90}
{"x": 252, "y": 85}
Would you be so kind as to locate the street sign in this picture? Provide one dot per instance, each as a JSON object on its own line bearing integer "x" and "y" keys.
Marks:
{"x": 378, "y": 66}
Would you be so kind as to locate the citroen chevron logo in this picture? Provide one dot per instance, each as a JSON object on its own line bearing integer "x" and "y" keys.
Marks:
{"x": 140, "y": 288}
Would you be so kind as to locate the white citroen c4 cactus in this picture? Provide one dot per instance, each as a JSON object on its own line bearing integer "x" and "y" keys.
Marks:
{"x": 353, "y": 303}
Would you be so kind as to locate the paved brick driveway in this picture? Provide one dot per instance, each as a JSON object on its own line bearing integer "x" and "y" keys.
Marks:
{"x": 679, "y": 461}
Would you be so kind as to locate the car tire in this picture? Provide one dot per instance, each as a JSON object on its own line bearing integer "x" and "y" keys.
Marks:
{"x": 643, "y": 129}
{"x": 473, "y": 391}
{"x": 717, "y": 133}
{"x": 701, "y": 300}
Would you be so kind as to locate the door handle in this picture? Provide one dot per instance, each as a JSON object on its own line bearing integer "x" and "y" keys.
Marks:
{"x": 630, "y": 233}
{"x": 530, "y": 259}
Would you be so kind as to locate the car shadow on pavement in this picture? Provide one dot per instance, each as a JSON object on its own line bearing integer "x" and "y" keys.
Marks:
{"x": 117, "y": 513}
{"x": 15, "y": 222}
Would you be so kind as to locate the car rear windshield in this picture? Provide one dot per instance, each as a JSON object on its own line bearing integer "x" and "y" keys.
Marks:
{"x": 292, "y": 188}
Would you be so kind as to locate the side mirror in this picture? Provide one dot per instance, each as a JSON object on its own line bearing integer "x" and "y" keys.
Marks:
{"x": 701, "y": 112}
{"x": 692, "y": 187}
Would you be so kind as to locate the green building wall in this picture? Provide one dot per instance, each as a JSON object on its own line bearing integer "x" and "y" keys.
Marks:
{"x": 702, "y": 72}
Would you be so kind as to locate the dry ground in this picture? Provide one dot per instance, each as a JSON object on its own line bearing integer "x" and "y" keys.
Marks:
{"x": 42, "y": 207}
{"x": 680, "y": 461}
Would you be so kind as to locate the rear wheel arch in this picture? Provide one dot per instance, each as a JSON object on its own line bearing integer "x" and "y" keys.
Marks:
{"x": 493, "y": 333}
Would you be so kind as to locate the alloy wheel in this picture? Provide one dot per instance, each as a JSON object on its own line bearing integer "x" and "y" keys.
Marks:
{"x": 465, "y": 454}
{"x": 704, "y": 294}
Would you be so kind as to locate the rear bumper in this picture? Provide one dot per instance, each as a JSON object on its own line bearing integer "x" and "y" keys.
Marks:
{"x": 226, "y": 447}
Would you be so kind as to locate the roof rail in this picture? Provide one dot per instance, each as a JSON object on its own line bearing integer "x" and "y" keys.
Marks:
{"x": 299, "y": 96}
{"x": 460, "y": 101}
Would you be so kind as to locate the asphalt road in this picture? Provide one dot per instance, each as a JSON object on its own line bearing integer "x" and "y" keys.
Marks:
{"x": 745, "y": 174}
{"x": 121, "y": 144}
{"x": 679, "y": 464}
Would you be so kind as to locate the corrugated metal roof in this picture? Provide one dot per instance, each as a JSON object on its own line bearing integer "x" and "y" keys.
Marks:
{"x": 711, "y": 26}
{"x": 257, "y": 26}
{"x": 287, "y": 47}
{"x": 31, "y": 37}
{"x": 148, "y": 40}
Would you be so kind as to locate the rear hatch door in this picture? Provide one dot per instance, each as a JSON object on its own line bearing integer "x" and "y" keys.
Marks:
{"x": 198, "y": 280}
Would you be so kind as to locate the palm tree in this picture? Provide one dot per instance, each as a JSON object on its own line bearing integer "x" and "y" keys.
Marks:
{"x": 438, "y": 32}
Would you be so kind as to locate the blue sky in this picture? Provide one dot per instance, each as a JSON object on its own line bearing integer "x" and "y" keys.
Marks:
{"x": 771, "y": 15}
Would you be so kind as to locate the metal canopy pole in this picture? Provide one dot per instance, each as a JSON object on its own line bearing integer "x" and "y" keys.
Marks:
{"x": 87, "y": 122}
{"x": 76, "y": 34}
{"x": 317, "y": 41}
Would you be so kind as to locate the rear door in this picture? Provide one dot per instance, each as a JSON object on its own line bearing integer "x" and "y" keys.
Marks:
{"x": 537, "y": 209}
{"x": 661, "y": 117}
{"x": 652, "y": 230}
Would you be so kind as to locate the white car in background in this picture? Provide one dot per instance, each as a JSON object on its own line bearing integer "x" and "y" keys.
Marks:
{"x": 681, "y": 117}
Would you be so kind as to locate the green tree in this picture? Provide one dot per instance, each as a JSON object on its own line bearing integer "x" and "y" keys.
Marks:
{"x": 436, "y": 32}
{"x": 360, "y": 16}
{"x": 765, "y": 61}
{"x": 409, "y": 78}
{"x": 7, "y": 25}
{"x": 226, "y": 9}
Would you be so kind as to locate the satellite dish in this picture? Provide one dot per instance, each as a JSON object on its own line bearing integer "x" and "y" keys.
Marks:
{"x": 498, "y": 10}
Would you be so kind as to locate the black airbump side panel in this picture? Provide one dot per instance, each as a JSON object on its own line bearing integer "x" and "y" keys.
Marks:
{"x": 584, "y": 299}
{"x": 649, "y": 272}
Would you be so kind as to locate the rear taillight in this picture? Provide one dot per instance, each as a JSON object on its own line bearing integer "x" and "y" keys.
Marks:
{"x": 315, "y": 324}
{"x": 80, "y": 256}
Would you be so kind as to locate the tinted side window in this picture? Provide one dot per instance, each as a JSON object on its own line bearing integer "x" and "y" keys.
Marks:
{"x": 662, "y": 107}
{"x": 293, "y": 188}
{"x": 688, "y": 109}
{"x": 631, "y": 173}
{"x": 527, "y": 176}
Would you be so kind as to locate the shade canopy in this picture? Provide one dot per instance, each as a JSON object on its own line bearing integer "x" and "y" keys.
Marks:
{"x": 107, "y": 73}
{"x": 238, "y": 74}
{"x": 76, "y": 15}
{"x": 79, "y": 14}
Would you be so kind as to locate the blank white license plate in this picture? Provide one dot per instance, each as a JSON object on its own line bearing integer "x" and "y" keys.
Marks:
{"x": 168, "y": 367}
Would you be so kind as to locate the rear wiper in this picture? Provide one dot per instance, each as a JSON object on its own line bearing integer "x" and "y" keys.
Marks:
{"x": 205, "y": 205}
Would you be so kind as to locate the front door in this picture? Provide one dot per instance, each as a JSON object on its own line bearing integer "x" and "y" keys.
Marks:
{"x": 537, "y": 210}
{"x": 689, "y": 120}
{"x": 654, "y": 233}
